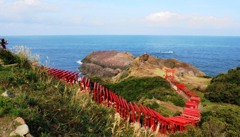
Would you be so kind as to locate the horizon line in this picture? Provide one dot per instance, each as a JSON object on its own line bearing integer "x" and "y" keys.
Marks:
{"x": 121, "y": 35}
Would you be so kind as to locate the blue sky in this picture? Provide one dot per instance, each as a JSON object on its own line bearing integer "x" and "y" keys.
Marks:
{"x": 120, "y": 17}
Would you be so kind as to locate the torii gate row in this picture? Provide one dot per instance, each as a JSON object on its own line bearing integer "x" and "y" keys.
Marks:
{"x": 187, "y": 91}
{"x": 144, "y": 115}
{"x": 173, "y": 81}
{"x": 170, "y": 76}
{"x": 190, "y": 104}
{"x": 65, "y": 75}
{"x": 59, "y": 73}
{"x": 84, "y": 84}
{"x": 148, "y": 117}
{"x": 194, "y": 113}
{"x": 193, "y": 103}
{"x": 54, "y": 71}
{"x": 181, "y": 122}
{"x": 126, "y": 110}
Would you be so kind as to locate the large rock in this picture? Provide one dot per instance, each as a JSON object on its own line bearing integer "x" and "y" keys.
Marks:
{"x": 22, "y": 130}
{"x": 106, "y": 63}
{"x": 20, "y": 120}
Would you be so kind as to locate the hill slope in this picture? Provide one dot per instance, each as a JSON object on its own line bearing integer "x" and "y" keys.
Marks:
{"x": 225, "y": 87}
{"x": 50, "y": 107}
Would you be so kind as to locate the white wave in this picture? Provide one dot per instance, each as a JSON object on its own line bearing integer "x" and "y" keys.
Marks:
{"x": 79, "y": 62}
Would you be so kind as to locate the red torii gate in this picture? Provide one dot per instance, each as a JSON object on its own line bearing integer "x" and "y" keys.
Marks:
{"x": 169, "y": 73}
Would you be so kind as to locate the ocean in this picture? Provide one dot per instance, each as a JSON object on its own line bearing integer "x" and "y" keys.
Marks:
{"x": 211, "y": 54}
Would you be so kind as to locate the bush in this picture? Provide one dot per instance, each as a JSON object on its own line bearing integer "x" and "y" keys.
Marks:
{"x": 133, "y": 89}
{"x": 7, "y": 57}
{"x": 225, "y": 88}
{"x": 221, "y": 120}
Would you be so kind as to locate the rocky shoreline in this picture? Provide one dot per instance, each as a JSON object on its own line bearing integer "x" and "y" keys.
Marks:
{"x": 113, "y": 64}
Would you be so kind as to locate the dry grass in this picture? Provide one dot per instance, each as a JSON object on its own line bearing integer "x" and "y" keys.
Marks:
{"x": 195, "y": 82}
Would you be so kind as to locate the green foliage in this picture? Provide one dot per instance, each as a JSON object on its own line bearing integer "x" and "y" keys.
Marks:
{"x": 225, "y": 88}
{"x": 205, "y": 76}
{"x": 154, "y": 105}
{"x": 134, "y": 89}
{"x": 221, "y": 120}
{"x": 191, "y": 132}
{"x": 8, "y": 57}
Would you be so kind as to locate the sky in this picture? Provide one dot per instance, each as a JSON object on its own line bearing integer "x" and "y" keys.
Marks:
{"x": 120, "y": 17}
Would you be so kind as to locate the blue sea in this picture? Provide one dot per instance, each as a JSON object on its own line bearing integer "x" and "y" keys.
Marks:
{"x": 211, "y": 54}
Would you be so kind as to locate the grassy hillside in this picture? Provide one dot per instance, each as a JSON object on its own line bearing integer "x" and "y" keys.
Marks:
{"x": 225, "y": 87}
{"x": 50, "y": 107}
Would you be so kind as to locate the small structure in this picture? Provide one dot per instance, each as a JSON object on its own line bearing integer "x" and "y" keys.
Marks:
{"x": 169, "y": 73}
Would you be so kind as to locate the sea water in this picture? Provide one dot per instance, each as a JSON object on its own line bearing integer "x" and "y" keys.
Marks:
{"x": 211, "y": 54}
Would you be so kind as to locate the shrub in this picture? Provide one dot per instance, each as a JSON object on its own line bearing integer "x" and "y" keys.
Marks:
{"x": 7, "y": 57}
{"x": 133, "y": 89}
{"x": 225, "y": 88}
{"x": 221, "y": 120}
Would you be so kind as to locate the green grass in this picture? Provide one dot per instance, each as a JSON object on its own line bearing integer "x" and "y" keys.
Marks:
{"x": 47, "y": 107}
{"x": 157, "y": 107}
{"x": 140, "y": 89}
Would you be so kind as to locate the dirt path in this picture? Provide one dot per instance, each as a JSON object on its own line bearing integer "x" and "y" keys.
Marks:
{"x": 170, "y": 106}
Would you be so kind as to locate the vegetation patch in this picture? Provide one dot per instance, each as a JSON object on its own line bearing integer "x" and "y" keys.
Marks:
{"x": 225, "y": 87}
{"x": 135, "y": 89}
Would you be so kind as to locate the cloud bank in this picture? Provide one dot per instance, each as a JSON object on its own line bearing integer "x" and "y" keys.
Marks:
{"x": 73, "y": 17}
{"x": 168, "y": 18}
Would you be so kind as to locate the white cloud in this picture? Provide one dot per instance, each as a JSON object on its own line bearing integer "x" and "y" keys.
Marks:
{"x": 201, "y": 21}
{"x": 31, "y": 2}
{"x": 173, "y": 19}
{"x": 164, "y": 16}
{"x": 27, "y": 11}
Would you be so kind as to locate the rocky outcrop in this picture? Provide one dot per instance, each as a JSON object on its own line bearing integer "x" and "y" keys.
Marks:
{"x": 106, "y": 63}
{"x": 183, "y": 67}
{"x": 123, "y": 64}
